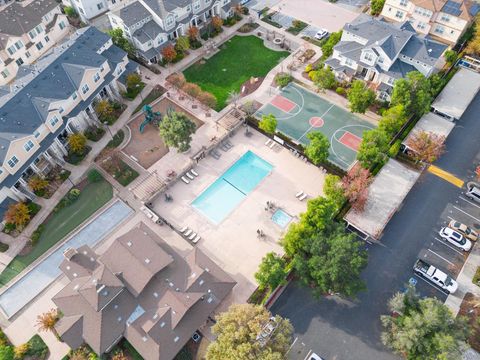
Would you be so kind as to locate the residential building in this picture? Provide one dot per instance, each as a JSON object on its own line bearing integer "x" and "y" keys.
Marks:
{"x": 380, "y": 52}
{"x": 28, "y": 30}
{"x": 140, "y": 289}
{"x": 89, "y": 9}
{"x": 445, "y": 20}
{"x": 152, "y": 24}
{"x": 51, "y": 99}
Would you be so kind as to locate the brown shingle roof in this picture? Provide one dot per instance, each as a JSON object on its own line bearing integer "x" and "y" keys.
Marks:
{"x": 437, "y": 5}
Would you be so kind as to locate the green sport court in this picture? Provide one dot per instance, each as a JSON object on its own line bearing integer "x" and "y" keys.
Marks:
{"x": 300, "y": 111}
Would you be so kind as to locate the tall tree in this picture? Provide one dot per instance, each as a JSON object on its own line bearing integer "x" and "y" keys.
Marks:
{"x": 37, "y": 183}
{"x": 121, "y": 41}
{"x": 77, "y": 143}
{"x": 104, "y": 110}
{"x": 323, "y": 78}
{"x": 176, "y": 129}
{"x": 268, "y": 123}
{"x": 168, "y": 53}
{"x": 392, "y": 120}
{"x": 192, "y": 33}
{"x": 355, "y": 185}
{"x": 18, "y": 214}
{"x": 237, "y": 331}
{"x": 360, "y": 97}
{"x": 183, "y": 43}
{"x": 426, "y": 146}
{"x": 317, "y": 149}
{"x": 217, "y": 23}
{"x": 47, "y": 320}
{"x": 133, "y": 80}
{"x": 373, "y": 148}
{"x": 272, "y": 271}
{"x": 376, "y": 7}
{"x": 327, "y": 47}
{"x": 333, "y": 189}
{"x": 233, "y": 98}
{"x": 423, "y": 328}
{"x": 413, "y": 92}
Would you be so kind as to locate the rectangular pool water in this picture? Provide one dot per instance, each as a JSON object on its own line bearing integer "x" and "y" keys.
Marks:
{"x": 281, "y": 218}
{"x": 220, "y": 198}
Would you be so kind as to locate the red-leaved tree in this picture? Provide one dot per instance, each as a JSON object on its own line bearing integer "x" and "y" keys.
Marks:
{"x": 169, "y": 53}
{"x": 426, "y": 146}
{"x": 192, "y": 32}
{"x": 355, "y": 185}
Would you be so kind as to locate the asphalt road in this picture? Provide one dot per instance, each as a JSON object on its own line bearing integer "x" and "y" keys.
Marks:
{"x": 338, "y": 329}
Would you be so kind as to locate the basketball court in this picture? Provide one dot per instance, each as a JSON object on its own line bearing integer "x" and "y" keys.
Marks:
{"x": 300, "y": 111}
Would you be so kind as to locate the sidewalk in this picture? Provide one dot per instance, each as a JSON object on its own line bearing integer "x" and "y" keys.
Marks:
{"x": 464, "y": 281}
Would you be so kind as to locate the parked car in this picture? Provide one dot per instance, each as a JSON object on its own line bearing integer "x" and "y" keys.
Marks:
{"x": 322, "y": 33}
{"x": 435, "y": 276}
{"x": 313, "y": 356}
{"x": 455, "y": 238}
{"x": 463, "y": 229}
{"x": 473, "y": 192}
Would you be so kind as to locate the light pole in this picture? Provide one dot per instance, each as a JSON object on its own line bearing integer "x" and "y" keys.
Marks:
{"x": 106, "y": 125}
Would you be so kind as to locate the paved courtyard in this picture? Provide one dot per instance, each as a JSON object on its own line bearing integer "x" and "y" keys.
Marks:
{"x": 233, "y": 243}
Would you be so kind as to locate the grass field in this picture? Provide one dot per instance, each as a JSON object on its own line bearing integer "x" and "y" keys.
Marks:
{"x": 59, "y": 224}
{"x": 239, "y": 59}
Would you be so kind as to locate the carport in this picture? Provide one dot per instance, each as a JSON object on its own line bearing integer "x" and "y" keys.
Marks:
{"x": 454, "y": 99}
{"x": 386, "y": 194}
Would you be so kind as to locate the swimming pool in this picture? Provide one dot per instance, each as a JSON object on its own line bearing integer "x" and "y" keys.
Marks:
{"x": 221, "y": 197}
{"x": 281, "y": 218}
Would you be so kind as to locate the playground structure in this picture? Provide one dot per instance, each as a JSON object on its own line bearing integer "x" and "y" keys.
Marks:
{"x": 150, "y": 116}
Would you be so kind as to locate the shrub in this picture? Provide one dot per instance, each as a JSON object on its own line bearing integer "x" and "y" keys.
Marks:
{"x": 18, "y": 214}
{"x": 77, "y": 143}
{"x": 94, "y": 176}
{"x": 37, "y": 349}
{"x": 70, "y": 11}
{"x": 9, "y": 227}
{"x": 94, "y": 133}
{"x": 308, "y": 68}
{"x": 73, "y": 194}
{"x": 476, "y": 277}
{"x": 21, "y": 351}
{"x": 169, "y": 53}
{"x": 395, "y": 148}
{"x": 3, "y": 247}
{"x": 36, "y": 234}
{"x": 340, "y": 91}
{"x": 283, "y": 79}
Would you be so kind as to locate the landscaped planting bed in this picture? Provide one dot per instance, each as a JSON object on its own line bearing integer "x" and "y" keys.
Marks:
{"x": 239, "y": 59}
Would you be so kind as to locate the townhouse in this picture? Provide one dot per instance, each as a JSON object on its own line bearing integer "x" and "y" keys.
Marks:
{"x": 444, "y": 20}
{"x": 50, "y": 100}
{"x": 27, "y": 31}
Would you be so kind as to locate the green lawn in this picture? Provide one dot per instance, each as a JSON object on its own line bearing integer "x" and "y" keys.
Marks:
{"x": 239, "y": 59}
{"x": 59, "y": 224}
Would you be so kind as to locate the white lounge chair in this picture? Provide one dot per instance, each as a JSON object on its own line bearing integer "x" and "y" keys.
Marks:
{"x": 190, "y": 176}
{"x": 191, "y": 237}
{"x": 185, "y": 180}
{"x": 188, "y": 232}
{"x": 300, "y": 193}
{"x": 303, "y": 197}
{"x": 268, "y": 142}
{"x": 197, "y": 239}
{"x": 182, "y": 230}
{"x": 194, "y": 172}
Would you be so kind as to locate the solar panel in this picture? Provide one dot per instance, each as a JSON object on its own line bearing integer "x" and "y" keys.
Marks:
{"x": 474, "y": 9}
{"x": 452, "y": 8}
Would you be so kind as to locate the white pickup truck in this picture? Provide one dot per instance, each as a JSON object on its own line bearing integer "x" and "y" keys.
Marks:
{"x": 435, "y": 276}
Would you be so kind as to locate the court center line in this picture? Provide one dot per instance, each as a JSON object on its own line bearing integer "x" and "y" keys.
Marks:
{"x": 441, "y": 257}
{"x": 311, "y": 127}
{"x": 444, "y": 242}
{"x": 462, "y": 198}
{"x": 473, "y": 217}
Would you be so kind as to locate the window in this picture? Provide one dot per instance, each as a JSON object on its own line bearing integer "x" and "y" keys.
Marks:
{"x": 380, "y": 60}
{"x": 27, "y": 54}
{"x": 99, "y": 6}
{"x": 61, "y": 110}
{"x": 348, "y": 62}
{"x": 36, "y": 133}
{"x": 5, "y": 73}
{"x": 32, "y": 34}
{"x": 47, "y": 39}
{"x": 96, "y": 77}
{"x": 28, "y": 145}
{"x": 390, "y": 81}
{"x": 11, "y": 50}
{"x": 85, "y": 89}
{"x": 81, "y": 10}
{"x": 367, "y": 56}
{"x": 169, "y": 21}
{"x": 423, "y": 12}
{"x": 421, "y": 25}
{"x": 403, "y": 3}
{"x": 196, "y": 5}
{"x": 189, "y": 8}
{"x": 53, "y": 121}
{"x": 399, "y": 14}
{"x": 102, "y": 68}
{"x": 13, "y": 161}
{"x": 74, "y": 95}
{"x": 39, "y": 45}
{"x": 18, "y": 44}
{"x": 445, "y": 18}
{"x": 208, "y": 1}
{"x": 19, "y": 61}
{"x": 439, "y": 29}
{"x": 39, "y": 29}
{"x": 224, "y": 2}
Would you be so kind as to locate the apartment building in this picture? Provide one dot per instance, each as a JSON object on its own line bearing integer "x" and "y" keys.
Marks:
{"x": 152, "y": 24}
{"x": 140, "y": 289}
{"x": 445, "y": 20}
{"x": 27, "y": 30}
{"x": 380, "y": 52}
{"x": 50, "y": 100}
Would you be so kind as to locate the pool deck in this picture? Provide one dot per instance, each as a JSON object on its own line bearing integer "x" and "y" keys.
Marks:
{"x": 233, "y": 243}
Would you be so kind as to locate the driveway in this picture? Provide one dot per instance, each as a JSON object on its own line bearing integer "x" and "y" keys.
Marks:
{"x": 351, "y": 330}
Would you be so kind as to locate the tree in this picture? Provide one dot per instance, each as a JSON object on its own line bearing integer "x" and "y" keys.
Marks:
{"x": 249, "y": 107}
{"x": 237, "y": 331}
{"x": 413, "y": 92}
{"x": 373, "y": 148}
{"x": 324, "y": 78}
{"x": 168, "y": 53}
{"x": 176, "y": 129}
{"x": 37, "y": 183}
{"x": 268, "y": 123}
{"x": 426, "y": 146}
{"x": 47, "y": 320}
{"x": 183, "y": 43}
{"x": 327, "y": 47}
{"x": 271, "y": 272}
{"x": 192, "y": 89}
{"x": 121, "y": 41}
{"x": 7, "y": 352}
{"x": 77, "y": 143}
{"x": 317, "y": 149}
{"x": 392, "y": 120}
{"x": 360, "y": 97}
{"x": 18, "y": 214}
{"x": 104, "y": 110}
{"x": 192, "y": 33}
{"x": 217, "y": 23}
{"x": 177, "y": 80}
{"x": 282, "y": 79}
{"x": 355, "y": 185}
{"x": 133, "y": 80}
{"x": 333, "y": 189}
{"x": 423, "y": 328}
{"x": 376, "y": 7}
{"x": 119, "y": 355}
{"x": 331, "y": 262}
{"x": 477, "y": 172}
{"x": 233, "y": 98}
{"x": 207, "y": 99}
{"x": 450, "y": 56}
{"x": 70, "y": 12}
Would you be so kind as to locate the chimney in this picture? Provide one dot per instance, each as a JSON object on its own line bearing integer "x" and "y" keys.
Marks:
{"x": 69, "y": 253}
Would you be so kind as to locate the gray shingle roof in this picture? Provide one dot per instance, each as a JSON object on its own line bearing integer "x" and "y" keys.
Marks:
{"x": 149, "y": 31}
{"x": 424, "y": 50}
{"x": 133, "y": 13}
